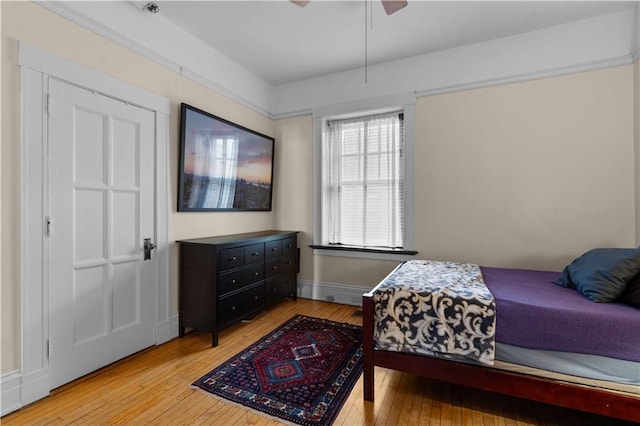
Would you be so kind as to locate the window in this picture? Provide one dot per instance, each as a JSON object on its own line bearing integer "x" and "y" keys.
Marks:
{"x": 362, "y": 191}
{"x": 362, "y": 181}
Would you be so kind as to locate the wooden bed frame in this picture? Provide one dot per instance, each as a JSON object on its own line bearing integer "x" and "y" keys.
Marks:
{"x": 575, "y": 396}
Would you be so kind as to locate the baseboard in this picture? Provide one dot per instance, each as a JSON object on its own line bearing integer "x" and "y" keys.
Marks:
{"x": 18, "y": 391}
{"x": 167, "y": 330}
{"x": 330, "y": 292}
{"x": 10, "y": 383}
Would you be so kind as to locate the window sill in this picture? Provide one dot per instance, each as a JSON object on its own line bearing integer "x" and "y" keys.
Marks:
{"x": 363, "y": 252}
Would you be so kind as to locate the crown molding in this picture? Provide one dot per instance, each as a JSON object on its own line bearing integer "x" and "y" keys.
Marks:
{"x": 635, "y": 42}
{"x": 198, "y": 78}
{"x": 517, "y": 78}
{"x": 552, "y": 72}
{"x": 66, "y": 11}
{"x": 589, "y": 44}
{"x": 72, "y": 12}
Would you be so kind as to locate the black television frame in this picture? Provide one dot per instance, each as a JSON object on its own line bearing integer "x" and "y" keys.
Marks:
{"x": 251, "y": 144}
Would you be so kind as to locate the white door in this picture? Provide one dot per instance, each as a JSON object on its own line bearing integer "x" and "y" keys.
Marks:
{"x": 101, "y": 207}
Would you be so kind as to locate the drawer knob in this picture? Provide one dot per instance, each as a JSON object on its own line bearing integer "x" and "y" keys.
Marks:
{"x": 290, "y": 262}
{"x": 233, "y": 259}
{"x": 255, "y": 274}
{"x": 255, "y": 253}
{"x": 233, "y": 281}
{"x": 255, "y": 297}
{"x": 274, "y": 267}
{"x": 233, "y": 308}
{"x": 289, "y": 245}
{"x": 274, "y": 249}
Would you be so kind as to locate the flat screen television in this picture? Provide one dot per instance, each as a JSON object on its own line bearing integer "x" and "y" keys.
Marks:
{"x": 223, "y": 166}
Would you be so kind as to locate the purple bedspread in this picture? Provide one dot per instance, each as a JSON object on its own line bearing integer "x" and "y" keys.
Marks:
{"x": 533, "y": 312}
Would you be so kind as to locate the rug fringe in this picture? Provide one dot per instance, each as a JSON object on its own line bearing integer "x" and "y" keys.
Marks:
{"x": 244, "y": 407}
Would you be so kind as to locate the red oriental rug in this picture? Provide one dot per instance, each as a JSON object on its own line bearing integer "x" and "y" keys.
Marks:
{"x": 301, "y": 372}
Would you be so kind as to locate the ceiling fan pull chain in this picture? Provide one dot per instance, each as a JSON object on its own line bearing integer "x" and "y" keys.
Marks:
{"x": 366, "y": 44}
{"x": 371, "y": 14}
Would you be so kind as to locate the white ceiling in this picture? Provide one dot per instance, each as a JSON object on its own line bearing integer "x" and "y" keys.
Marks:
{"x": 281, "y": 42}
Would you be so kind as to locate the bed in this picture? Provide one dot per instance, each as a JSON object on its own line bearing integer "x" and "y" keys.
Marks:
{"x": 544, "y": 342}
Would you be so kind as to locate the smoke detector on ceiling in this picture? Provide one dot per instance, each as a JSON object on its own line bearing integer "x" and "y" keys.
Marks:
{"x": 146, "y": 6}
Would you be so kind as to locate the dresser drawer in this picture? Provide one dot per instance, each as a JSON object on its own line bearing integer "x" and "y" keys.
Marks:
{"x": 254, "y": 272}
{"x": 239, "y": 278}
{"x": 273, "y": 249}
{"x": 254, "y": 253}
{"x": 279, "y": 266}
{"x": 271, "y": 267}
{"x": 237, "y": 305}
{"x": 288, "y": 264}
{"x": 231, "y": 258}
{"x": 289, "y": 246}
{"x": 277, "y": 288}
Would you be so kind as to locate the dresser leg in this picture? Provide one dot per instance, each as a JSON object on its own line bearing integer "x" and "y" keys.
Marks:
{"x": 181, "y": 327}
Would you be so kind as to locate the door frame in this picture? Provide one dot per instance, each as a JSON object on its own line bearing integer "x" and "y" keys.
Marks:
{"x": 37, "y": 66}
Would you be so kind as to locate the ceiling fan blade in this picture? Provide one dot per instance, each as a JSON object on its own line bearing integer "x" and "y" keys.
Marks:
{"x": 301, "y": 3}
{"x": 392, "y": 6}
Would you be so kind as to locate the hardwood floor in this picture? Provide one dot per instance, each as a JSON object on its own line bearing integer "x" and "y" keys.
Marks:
{"x": 153, "y": 387}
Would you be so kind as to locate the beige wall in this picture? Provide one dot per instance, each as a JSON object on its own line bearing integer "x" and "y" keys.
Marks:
{"x": 529, "y": 174}
{"x": 523, "y": 175}
{"x": 35, "y": 25}
{"x": 293, "y": 192}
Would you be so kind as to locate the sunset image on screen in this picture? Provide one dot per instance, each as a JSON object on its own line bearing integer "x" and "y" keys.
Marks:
{"x": 224, "y": 166}
{"x": 254, "y": 161}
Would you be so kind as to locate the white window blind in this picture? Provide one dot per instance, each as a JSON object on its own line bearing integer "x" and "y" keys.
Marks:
{"x": 363, "y": 181}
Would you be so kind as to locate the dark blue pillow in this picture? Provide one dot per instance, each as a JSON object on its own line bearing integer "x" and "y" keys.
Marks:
{"x": 632, "y": 293}
{"x": 564, "y": 280}
{"x": 601, "y": 274}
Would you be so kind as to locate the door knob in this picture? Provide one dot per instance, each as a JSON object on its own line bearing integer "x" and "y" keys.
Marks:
{"x": 148, "y": 246}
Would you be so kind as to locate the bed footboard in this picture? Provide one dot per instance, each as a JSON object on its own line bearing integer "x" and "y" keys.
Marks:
{"x": 569, "y": 395}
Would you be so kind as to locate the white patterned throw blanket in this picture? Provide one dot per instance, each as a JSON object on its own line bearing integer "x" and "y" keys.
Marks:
{"x": 441, "y": 309}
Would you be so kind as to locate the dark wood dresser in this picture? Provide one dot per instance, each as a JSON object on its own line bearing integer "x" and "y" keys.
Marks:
{"x": 227, "y": 278}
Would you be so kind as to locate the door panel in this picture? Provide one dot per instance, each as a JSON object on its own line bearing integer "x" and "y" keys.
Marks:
{"x": 101, "y": 204}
